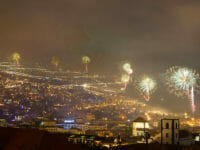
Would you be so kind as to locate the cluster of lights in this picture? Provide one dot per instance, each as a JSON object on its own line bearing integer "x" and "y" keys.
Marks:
{"x": 182, "y": 79}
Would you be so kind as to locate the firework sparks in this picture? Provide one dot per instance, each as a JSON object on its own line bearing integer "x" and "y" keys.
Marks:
{"x": 183, "y": 80}
{"x": 130, "y": 71}
{"x": 86, "y": 60}
{"x": 16, "y": 57}
{"x": 55, "y": 61}
{"x": 126, "y": 67}
{"x": 125, "y": 79}
{"x": 146, "y": 86}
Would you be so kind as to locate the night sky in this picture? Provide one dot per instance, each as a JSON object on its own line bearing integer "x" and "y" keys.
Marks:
{"x": 151, "y": 34}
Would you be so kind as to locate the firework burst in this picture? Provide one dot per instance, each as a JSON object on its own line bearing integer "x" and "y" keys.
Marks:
{"x": 86, "y": 60}
{"x": 182, "y": 81}
{"x": 126, "y": 67}
{"x": 16, "y": 57}
{"x": 183, "y": 78}
{"x": 147, "y": 86}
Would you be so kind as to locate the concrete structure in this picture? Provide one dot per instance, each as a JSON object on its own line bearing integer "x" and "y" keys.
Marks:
{"x": 140, "y": 126}
{"x": 169, "y": 131}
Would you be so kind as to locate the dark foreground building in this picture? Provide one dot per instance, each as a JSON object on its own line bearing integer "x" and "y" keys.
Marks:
{"x": 157, "y": 147}
{"x": 33, "y": 139}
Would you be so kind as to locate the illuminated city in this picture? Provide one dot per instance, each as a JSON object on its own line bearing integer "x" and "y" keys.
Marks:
{"x": 115, "y": 75}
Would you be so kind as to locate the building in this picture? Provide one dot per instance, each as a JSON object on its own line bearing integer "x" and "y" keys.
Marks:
{"x": 140, "y": 126}
{"x": 75, "y": 131}
{"x": 187, "y": 138}
{"x": 49, "y": 126}
{"x": 100, "y": 133}
{"x": 169, "y": 131}
{"x": 3, "y": 123}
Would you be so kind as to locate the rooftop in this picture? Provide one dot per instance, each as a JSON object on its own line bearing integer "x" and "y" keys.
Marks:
{"x": 139, "y": 119}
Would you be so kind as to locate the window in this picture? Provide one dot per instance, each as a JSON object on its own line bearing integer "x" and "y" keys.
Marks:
{"x": 176, "y": 125}
{"x": 167, "y": 135}
{"x": 167, "y": 125}
{"x": 138, "y": 133}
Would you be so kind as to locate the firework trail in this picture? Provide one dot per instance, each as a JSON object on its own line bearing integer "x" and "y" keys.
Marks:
{"x": 125, "y": 79}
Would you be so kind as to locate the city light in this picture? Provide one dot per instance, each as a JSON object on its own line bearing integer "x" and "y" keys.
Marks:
{"x": 107, "y": 74}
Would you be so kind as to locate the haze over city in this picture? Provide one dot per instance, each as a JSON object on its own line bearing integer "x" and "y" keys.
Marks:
{"x": 68, "y": 59}
{"x": 152, "y": 36}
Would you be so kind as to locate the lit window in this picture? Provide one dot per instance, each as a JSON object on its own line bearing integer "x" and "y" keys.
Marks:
{"x": 141, "y": 125}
